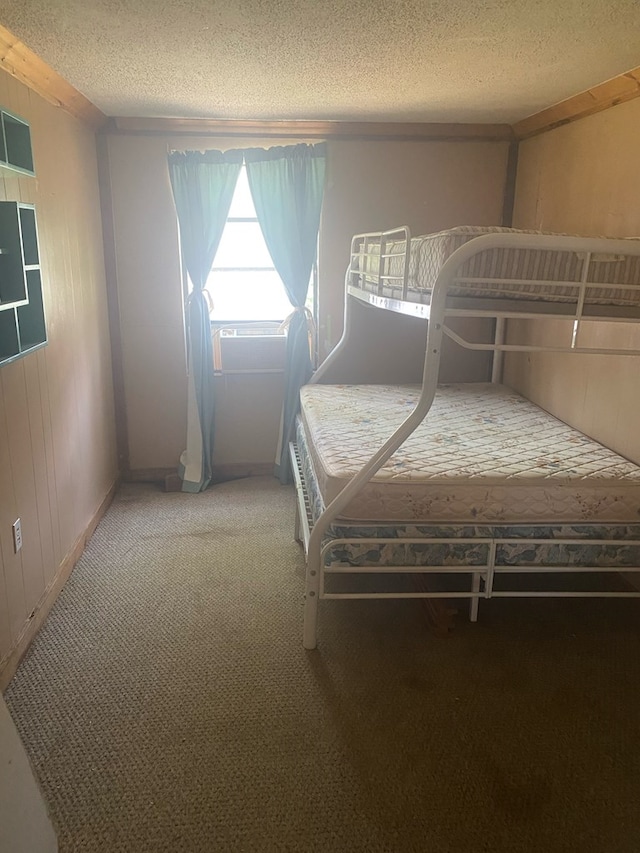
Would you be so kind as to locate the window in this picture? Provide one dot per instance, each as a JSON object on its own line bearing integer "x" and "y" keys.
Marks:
{"x": 243, "y": 283}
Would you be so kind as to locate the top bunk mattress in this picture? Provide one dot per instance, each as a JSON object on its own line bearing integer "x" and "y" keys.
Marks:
{"x": 483, "y": 454}
{"x": 524, "y": 271}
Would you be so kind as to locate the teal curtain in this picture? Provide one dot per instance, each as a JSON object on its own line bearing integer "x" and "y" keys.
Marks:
{"x": 203, "y": 183}
{"x": 287, "y": 184}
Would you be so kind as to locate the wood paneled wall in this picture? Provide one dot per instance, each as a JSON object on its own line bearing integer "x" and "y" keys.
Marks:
{"x": 584, "y": 179}
{"x": 428, "y": 186}
{"x": 57, "y": 448}
{"x": 372, "y": 185}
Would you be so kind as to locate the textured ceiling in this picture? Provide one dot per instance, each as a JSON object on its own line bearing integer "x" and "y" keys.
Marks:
{"x": 360, "y": 60}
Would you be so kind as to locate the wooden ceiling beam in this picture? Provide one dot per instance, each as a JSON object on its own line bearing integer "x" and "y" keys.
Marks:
{"x": 417, "y": 131}
{"x": 23, "y": 64}
{"x": 624, "y": 87}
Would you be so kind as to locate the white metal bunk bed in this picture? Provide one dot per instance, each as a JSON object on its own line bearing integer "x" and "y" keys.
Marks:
{"x": 497, "y": 274}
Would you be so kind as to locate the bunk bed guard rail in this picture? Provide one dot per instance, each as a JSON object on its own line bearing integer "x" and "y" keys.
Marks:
{"x": 379, "y": 275}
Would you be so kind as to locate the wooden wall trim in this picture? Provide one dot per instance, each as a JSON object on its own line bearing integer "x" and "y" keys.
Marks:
{"x": 10, "y": 663}
{"x": 509, "y": 199}
{"x": 220, "y": 473}
{"x": 223, "y": 472}
{"x": 410, "y": 131}
{"x": 624, "y": 87}
{"x": 23, "y": 64}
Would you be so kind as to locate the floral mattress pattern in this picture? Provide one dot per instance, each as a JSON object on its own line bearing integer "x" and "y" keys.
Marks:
{"x": 601, "y": 544}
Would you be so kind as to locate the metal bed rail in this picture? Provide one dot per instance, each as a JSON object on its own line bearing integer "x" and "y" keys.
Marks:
{"x": 436, "y": 312}
{"x": 483, "y": 575}
{"x": 372, "y": 259}
{"x": 575, "y": 306}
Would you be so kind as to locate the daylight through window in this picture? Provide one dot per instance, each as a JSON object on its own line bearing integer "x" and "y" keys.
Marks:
{"x": 243, "y": 282}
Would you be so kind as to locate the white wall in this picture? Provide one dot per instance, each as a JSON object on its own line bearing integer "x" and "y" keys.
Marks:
{"x": 25, "y": 826}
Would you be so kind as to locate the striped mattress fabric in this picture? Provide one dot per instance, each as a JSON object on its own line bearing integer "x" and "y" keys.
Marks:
{"x": 429, "y": 252}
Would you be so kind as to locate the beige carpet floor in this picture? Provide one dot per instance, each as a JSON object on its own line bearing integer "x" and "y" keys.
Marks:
{"x": 168, "y": 705}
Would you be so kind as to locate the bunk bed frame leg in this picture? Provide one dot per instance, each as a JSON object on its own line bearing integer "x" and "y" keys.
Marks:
{"x": 296, "y": 530}
{"x": 311, "y": 601}
{"x": 473, "y": 605}
{"x": 310, "y": 620}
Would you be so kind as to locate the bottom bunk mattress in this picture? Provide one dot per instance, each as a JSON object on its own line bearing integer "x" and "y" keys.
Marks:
{"x": 485, "y": 464}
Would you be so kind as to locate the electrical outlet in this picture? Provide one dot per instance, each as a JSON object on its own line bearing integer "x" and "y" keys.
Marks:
{"x": 17, "y": 535}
